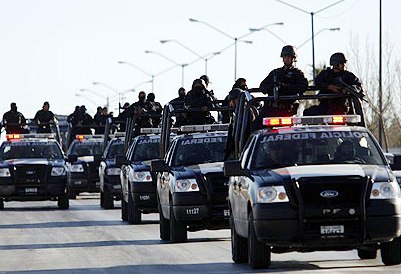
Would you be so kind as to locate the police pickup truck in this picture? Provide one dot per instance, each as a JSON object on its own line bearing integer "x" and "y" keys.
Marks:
{"x": 191, "y": 187}
{"x": 313, "y": 183}
{"x": 137, "y": 182}
{"x": 32, "y": 168}
{"x": 84, "y": 156}
{"x": 109, "y": 171}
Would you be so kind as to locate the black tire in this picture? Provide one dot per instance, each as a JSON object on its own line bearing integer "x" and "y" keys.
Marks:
{"x": 134, "y": 213}
{"x": 71, "y": 193}
{"x": 390, "y": 252}
{"x": 367, "y": 254}
{"x": 239, "y": 245}
{"x": 101, "y": 199}
{"x": 124, "y": 210}
{"x": 108, "y": 201}
{"x": 1, "y": 203}
{"x": 63, "y": 201}
{"x": 178, "y": 230}
{"x": 164, "y": 225}
{"x": 259, "y": 254}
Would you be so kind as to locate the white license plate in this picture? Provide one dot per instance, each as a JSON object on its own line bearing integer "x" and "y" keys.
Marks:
{"x": 77, "y": 182}
{"x": 31, "y": 190}
{"x": 331, "y": 229}
{"x": 117, "y": 186}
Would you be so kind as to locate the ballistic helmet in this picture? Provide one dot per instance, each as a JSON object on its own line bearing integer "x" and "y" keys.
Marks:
{"x": 288, "y": 51}
{"x": 337, "y": 58}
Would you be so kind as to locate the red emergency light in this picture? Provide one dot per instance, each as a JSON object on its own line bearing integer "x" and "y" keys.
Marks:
{"x": 12, "y": 136}
{"x": 80, "y": 137}
{"x": 278, "y": 121}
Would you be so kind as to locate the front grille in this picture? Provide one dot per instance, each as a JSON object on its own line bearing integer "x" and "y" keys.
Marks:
{"x": 30, "y": 174}
{"x": 93, "y": 169}
{"x": 345, "y": 208}
{"x": 217, "y": 188}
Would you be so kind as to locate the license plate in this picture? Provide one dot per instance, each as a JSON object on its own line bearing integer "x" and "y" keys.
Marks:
{"x": 117, "y": 186}
{"x": 77, "y": 182}
{"x": 331, "y": 229}
{"x": 226, "y": 213}
{"x": 31, "y": 190}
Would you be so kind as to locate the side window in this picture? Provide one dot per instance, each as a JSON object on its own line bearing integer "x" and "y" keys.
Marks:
{"x": 246, "y": 153}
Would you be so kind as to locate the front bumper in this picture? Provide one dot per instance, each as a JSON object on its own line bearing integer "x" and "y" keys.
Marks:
{"x": 280, "y": 225}
{"x": 193, "y": 208}
{"x": 55, "y": 187}
{"x": 144, "y": 195}
{"x": 81, "y": 183}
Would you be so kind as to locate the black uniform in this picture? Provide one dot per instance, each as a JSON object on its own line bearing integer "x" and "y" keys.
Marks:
{"x": 155, "y": 110}
{"x": 288, "y": 80}
{"x": 43, "y": 118}
{"x": 198, "y": 98}
{"x": 14, "y": 121}
{"x": 329, "y": 77}
{"x": 178, "y": 103}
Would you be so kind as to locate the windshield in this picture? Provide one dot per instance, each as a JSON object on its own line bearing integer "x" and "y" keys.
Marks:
{"x": 116, "y": 149}
{"x": 199, "y": 150}
{"x": 316, "y": 148}
{"x": 146, "y": 149}
{"x": 86, "y": 148}
{"x": 25, "y": 150}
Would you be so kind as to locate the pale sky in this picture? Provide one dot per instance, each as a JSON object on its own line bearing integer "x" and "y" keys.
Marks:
{"x": 50, "y": 49}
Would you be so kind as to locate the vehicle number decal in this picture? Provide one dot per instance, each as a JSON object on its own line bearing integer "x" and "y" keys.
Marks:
{"x": 193, "y": 211}
{"x": 226, "y": 213}
{"x": 144, "y": 197}
{"x": 332, "y": 229}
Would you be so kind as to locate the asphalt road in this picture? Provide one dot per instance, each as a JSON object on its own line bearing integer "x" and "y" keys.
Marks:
{"x": 37, "y": 237}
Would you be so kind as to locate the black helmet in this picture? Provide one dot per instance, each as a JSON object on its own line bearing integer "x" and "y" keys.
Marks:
{"x": 337, "y": 58}
{"x": 288, "y": 51}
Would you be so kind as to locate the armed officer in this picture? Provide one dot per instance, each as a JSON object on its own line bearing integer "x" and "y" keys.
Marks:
{"x": 198, "y": 98}
{"x": 287, "y": 80}
{"x": 337, "y": 80}
{"x": 44, "y": 118}
{"x": 13, "y": 120}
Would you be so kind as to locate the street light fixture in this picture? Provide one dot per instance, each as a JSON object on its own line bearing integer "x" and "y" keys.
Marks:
{"x": 316, "y": 34}
{"x": 236, "y": 39}
{"x": 97, "y": 94}
{"x": 170, "y": 60}
{"x": 205, "y": 58}
{"x": 141, "y": 70}
{"x": 111, "y": 88}
{"x": 312, "y": 27}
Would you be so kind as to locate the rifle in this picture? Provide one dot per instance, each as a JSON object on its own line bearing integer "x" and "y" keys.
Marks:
{"x": 354, "y": 90}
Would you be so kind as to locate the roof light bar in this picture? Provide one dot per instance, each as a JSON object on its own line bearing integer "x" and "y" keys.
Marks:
{"x": 31, "y": 136}
{"x": 88, "y": 137}
{"x": 201, "y": 128}
{"x": 149, "y": 130}
{"x": 312, "y": 120}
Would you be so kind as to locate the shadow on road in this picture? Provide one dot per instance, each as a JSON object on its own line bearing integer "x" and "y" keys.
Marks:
{"x": 79, "y": 245}
{"x": 62, "y": 224}
{"x": 221, "y": 268}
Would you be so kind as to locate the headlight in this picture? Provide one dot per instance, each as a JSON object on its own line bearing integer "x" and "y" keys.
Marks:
{"x": 77, "y": 168}
{"x": 113, "y": 171}
{"x": 5, "y": 172}
{"x": 58, "y": 171}
{"x": 272, "y": 194}
{"x": 142, "y": 176}
{"x": 186, "y": 185}
{"x": 385, "y": 190}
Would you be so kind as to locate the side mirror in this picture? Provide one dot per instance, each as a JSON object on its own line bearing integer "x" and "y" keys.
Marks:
{"x": 159, "y": 165}
{"x": 233, "y": 168}
{"x": 72, "y": 158}
{"x": 120, "y": 160}
{"x": 396, "y": 165}
{"x": 389, "y": 158}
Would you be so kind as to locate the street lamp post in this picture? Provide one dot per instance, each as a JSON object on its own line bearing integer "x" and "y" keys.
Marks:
{"x": 235, "y": 39}
{"x": 97, "y": 94}
{"x": 152, "y": 76}
{"x": 200, "y": 57}
{"x": 312, "y": 14}
{"x": 316, "y": 34}
{"x": 113, "y": 89}
{"x": 170, "y": 60}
